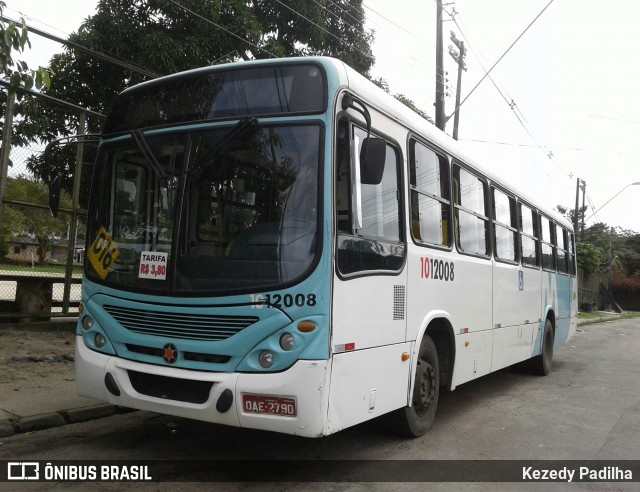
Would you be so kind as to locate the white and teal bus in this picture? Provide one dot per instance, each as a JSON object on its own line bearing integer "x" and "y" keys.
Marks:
{"x": 281, "y": 245}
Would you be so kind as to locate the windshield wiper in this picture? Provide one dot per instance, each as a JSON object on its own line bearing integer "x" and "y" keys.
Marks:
{"x": 148, "y": 153}
{"x": 237, "y": 131}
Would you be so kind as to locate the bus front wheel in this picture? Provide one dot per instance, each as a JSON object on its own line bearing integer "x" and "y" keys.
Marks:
{"x": 415, "y": 420}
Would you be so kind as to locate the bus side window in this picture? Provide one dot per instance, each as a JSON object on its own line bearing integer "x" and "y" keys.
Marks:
{"x": 528, "y": 236}
{"x": 547, "y": 243}
{"x": 562, "y": 249}
{"x": 343, "y": 181}
{"x": 471, "y": 217}
{"x": 505, "y": 226}
{"x": 572, "y": 254}
{"x": 430, "y": 202}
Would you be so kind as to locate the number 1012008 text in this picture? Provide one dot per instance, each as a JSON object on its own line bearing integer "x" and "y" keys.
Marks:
{"x": 437, "y": 269}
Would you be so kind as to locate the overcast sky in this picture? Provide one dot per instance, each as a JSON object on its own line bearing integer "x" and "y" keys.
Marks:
{"x": 573, "y": 77}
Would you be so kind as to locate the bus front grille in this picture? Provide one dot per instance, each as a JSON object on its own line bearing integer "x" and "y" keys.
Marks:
{"x": 190, "y": 356}
{"x": 190, "y": 326}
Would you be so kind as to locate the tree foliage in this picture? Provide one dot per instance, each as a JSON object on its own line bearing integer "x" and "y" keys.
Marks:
{"x": 168, "y": 36}
{"x": 380, "y": 82}
{"x": 159, "y": 37}
{"x": 601, "y": 245}
{"x": 14, "y": 37}
{"x": 36, "y": 223}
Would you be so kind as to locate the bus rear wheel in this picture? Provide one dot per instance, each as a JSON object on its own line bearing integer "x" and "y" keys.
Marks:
{"x": 541, "y": 364}
{"x": 415, "y": 420}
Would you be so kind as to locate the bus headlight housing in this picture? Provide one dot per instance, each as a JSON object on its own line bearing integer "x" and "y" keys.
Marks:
{"x": 287, "y": 342}
{"x": 266, "y": 359}
{"x": 99, "y": 340}
{"x": 87, "y": 322}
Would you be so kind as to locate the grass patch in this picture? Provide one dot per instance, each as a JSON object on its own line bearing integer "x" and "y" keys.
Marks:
{"x": 53, "y": 269}
{"x": 593, "y": 315}
{"x": 599, "y": 317}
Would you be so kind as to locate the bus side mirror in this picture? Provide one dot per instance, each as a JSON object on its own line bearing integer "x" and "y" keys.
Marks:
{"x": 54, "y": 195}
{"x": 372, "y": 159}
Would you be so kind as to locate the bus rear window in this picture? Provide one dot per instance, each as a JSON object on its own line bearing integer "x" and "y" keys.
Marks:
{"x": 209, "y": 95}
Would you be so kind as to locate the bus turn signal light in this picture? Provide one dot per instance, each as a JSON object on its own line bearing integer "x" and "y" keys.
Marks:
{"x": 306, "y": 326}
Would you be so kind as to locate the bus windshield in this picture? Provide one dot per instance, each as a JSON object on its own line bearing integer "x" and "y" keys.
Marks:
{"x": 233, "y": 208}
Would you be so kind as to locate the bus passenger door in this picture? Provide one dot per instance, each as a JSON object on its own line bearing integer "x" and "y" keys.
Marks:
{"x": 368, "y": 312}
{"x": 369, "y": 288}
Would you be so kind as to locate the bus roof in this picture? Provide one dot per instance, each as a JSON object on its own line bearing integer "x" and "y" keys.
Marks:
{"x": 384, "y": 102}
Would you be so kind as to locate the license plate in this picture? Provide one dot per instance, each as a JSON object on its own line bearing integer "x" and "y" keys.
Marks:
{"x": 269, "y": 405}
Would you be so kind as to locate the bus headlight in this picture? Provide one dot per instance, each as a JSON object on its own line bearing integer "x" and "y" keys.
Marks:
{"x": 99, "y": 340}
{"x": 87, "y": 322}
{"x": 266, "y": 359}
{"x": 287, "y": 341}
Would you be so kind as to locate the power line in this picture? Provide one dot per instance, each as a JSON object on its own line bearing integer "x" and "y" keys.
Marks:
{"x": 505, "y": 53}
{"x": 209, "y": 21}
{"x": 336, "y": 15}
{"x": 593, "y": 207}
{"x": 410, "y": 45}
{"x": 389, "y": 21}
{"x": 318, "y": 26}
{"x": 556, "y": 147}
{"x": 507, "y": 99}
{"x": 130, "y": 66}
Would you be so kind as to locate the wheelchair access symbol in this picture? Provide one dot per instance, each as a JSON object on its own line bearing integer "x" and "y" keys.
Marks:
{"x": 520, "y": 280}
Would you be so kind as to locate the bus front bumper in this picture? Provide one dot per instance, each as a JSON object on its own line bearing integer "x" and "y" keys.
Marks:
{"x": 109, "y": 378}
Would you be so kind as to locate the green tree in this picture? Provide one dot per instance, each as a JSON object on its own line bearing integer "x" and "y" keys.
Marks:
{"x": 570, "y": 213}
{"x": 167, "y": 36}
{"x": 380, "y": 82}
{"x": 23, "y": 220}
{"x": 158, "y": 37}
{"x": 14, "y": 36}
{"x": 589, "y": 257}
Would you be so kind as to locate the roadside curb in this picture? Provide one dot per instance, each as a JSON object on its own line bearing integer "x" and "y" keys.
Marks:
{"x": 21, "y": 425}
{"x": 606, "y": 317}
{"x": 64, "y": 324}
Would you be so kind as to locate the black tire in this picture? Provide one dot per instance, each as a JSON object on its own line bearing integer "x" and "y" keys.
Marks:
{"x": 415, "y": 420}
{"x": 541, "y": 364}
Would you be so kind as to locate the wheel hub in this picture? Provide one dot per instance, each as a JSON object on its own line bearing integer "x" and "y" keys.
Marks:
{"x": 424, "y": 393}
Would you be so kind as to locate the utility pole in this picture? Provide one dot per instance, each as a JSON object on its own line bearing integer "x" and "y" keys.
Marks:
{"x": 440, "y": 122}
{"x": 584, "y": 188}
{"x": 6, "y": 151}
{"x": 575, "y": 214}
{"x": 458, "y": 56}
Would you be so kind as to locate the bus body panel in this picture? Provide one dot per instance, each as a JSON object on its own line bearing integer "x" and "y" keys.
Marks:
{"x": 468, "y": 283}
{"x": 366, "y": 384}
{"x": 508, "y": 298}
{"x": 511, "y": 344}
{"x": 473, "y": 356}
{"x": 306, "y": 382}
{"x": 566, "y": 322}
{"x": 516, "y": 301}
{"x": 367, "y": 312}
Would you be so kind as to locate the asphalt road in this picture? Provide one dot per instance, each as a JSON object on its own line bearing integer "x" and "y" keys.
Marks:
{"x": 588, "y": 408}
